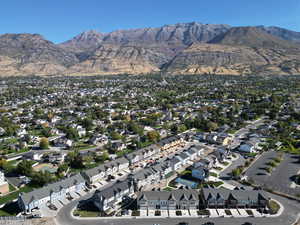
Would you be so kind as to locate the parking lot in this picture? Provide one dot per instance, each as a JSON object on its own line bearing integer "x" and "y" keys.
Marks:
{"x": 280, "y": 178}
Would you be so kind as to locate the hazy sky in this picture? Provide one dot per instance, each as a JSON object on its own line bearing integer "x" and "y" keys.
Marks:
{"x": 59, "y": 20}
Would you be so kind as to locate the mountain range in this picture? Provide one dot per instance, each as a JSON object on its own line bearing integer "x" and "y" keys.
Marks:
{"x": 183, "y": 48}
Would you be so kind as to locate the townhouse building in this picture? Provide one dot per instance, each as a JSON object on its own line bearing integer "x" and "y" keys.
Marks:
{"x": 222, "y": 198}
{"x": 100, "y": 172}
{"x": 168, "y": 200}
{"x": 51, "y": 193}
{"x": 109, "y": 197}
{"x": 171, "y": 142}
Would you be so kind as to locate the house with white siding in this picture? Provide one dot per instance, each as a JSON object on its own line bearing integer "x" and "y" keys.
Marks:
{"x": 51, "y": 193}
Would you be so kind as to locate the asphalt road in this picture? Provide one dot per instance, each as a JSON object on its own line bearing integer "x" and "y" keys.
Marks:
{"x": 279, "y": 179}
{"x": 289, "y": 216}
{"x": 225, "y": 174}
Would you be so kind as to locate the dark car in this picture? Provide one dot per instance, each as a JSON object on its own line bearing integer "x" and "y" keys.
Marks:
{"x": 209, "y": 223}
{"x": 183, "y": 223}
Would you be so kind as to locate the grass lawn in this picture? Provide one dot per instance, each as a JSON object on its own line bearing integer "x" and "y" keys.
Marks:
{"x": 123, "y": 152}
{"x": 186, "y": 172}
{"x": 14, "y": 195}
{"x": 218, "y": 168}
{"x": 84, "y": 213}
{"x": 213, "y": 174}
{"x": 225, "y": 163}
{"x": 203, "y": 212}
{"x": 83, "y": 146}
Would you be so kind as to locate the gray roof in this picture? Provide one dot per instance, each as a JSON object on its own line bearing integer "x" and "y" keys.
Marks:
{"x": 183, "y": 155}
{"x": 94, "y": 171}
{"x": 143, "y": 174}
{"x": 177, "y": 195}
{"x": 113, "y": 189}
{"x": 191, "y": 151}
{"x": 102, "y": 168}
{"x": 237, "y": 194}
{"x": 121, "y": 160}
{"x": 48, "y": 189}
{"x": 169, "y": 140}
{"x": 174, "y": 160}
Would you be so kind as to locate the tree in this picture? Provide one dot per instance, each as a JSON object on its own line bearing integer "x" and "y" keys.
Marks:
{"x": 115, "y": 135}
{"x": 135, "y": 128}
{"x": 105, "y": 156}
{"x": 41, "y": 178}
{"x": 71, "y": 133}
{"x": 236, "y": 172}
{"x": 211, "y": 126}
{"x": 25, "y": 168}
{"x": 44, "y": 143}
{"x": 153, "y": 136}
{"x": 62, "y": 169}
{"x": 87, "y": 123}
{"x": 75, "y": 159}
{"x": 46, "y": 132}
{"x": 182, "y": 128}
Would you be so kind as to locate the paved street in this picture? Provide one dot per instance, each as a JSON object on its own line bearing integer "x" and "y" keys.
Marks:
{"x": 279, "y": 179}
{"x": 292, "y": 209}
{"x": 226, "y": 174}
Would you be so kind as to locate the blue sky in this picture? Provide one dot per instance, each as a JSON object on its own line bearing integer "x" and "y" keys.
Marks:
{"x": 59, "y": 20}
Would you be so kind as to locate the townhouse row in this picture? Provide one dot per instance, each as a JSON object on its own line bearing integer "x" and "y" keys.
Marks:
{"x": 52, "y": 193}
{"x": 202, "y": 199}
{"x": 64, "y": 188}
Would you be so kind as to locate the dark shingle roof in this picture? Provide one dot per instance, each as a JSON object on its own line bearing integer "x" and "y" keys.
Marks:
{"x": 54, "y": 187}
{"x": 177, "y": 195}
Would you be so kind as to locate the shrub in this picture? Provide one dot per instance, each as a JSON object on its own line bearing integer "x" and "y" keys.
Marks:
{"x": 273, "y": 206}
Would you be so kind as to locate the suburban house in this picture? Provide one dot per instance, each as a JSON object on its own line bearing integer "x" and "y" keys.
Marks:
{"x": 163, "y": 169}
{"x": 192, "y": 153}
{"x": 206, "y": 163}
{"x": 109, "y": 197}
{"x": 215, "y": 138}
{"x": 118, "y": 145}
{"x": 62, "y": 142}
{"x": 247, "y": 147}
{"x": 198, "y": 149}
{"x": 175, "y": 163}
{"x": 200, "y": 172}
{"x": 170, "y": 142}
{"x": 221, "y": 154}
{"x": 250, "y": 146}
{"x": 183, "y": 157}
{"x": 51, "y": 193}
{"x": 168, "y": 200}
{"x": 223, "y": 198}
{"x": 98, "y": 140}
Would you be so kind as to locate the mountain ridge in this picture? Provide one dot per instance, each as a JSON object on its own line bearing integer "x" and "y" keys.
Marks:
{"x": 192, "y": 48}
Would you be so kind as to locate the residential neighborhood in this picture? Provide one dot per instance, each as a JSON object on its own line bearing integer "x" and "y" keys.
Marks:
{"x": 132, "y": 148}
